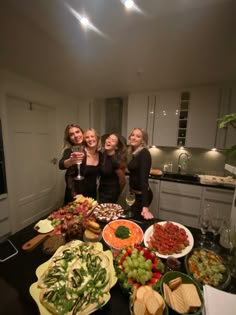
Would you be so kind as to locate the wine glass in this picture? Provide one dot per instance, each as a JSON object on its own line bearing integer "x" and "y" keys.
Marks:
{"x": 130, "y": 200}
{"x": 216, "y": 221}
{"x": 78, "y": 148}
{"x": 204, "y": 221}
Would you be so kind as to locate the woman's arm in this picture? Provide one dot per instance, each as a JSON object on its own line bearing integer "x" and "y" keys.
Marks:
{"x": 122, "y": 179}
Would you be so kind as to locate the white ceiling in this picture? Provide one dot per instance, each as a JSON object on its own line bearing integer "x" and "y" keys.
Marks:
{"x": 168, "y": 44}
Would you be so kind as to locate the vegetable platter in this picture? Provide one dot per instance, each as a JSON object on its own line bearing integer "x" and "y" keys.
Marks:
{"x": 207, "y": 267}
{"x": 76, "y": 280}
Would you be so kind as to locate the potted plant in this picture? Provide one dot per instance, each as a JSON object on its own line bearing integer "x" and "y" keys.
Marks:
{"x": 225, "y": 122}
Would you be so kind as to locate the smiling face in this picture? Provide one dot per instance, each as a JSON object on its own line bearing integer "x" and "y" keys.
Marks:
{"x": 90, "y": 138}
{"x": 75, "y": 135}
{"x": 111, "y": 144}
{"x": 136, "y": 138}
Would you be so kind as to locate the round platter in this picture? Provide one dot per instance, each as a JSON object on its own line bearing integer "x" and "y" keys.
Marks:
{"x": 148, "y": 233}
{"x": 106, "y": 212}
{"x": 108, "y": 234}
{"x": 224, "y": 282}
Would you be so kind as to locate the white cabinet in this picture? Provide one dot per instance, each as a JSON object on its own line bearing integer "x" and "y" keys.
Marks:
{"x": 155, "y": 187}
{"x": 4, "y": 217}
{"x": 226, "y": 138}
{"x": 219, "y": 199}
{"x": 202, "y": 118}
{"x": 180, "y": 203}
{"x": 166, "y": 118}
{"x": 140, "y": 113}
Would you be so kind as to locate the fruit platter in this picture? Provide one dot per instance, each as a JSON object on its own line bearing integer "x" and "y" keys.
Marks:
{"x": 136, "y": 266}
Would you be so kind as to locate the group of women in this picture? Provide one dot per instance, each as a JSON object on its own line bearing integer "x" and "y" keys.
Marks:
{"x": 104, "y": 166}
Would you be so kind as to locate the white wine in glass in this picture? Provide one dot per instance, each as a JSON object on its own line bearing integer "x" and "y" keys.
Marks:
{"x": 130, "y": 200}
{"x": 78, "y": 148}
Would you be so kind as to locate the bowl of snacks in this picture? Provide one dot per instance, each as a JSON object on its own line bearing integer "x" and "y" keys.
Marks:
{"x": 136, "y": 266}
{"x": 121, "y": 233}
{"x": 207, "y": 267}
{"x": 145, "y": 300}
{"x": 181, "y": 293}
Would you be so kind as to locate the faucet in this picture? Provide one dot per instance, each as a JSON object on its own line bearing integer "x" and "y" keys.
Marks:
{"x": 187, "y": 158}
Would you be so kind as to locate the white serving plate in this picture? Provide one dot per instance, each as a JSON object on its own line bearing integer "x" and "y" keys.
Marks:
{"x": 185, "y": 251}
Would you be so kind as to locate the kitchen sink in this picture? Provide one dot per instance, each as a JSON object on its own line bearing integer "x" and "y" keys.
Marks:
{"x": 182, "y": 177}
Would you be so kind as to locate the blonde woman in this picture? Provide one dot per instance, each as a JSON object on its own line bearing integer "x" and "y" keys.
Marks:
{"x": 139, "y": 169}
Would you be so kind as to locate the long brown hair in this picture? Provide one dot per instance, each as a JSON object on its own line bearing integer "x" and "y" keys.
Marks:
{"x": 67, "y": 141}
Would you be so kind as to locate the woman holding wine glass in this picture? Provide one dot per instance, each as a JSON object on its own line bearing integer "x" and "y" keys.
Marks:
{"x": 73, "y": 136}
{"x": 139, "y": 169}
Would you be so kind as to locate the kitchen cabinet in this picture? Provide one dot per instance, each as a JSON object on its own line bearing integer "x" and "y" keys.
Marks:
{"x": 4, "y": 217}
{"x": 166, "y": 118}
{"x": 218, "y": 199}
{"x": 202, "y": 117}
{"x": 180, "y": 203}
{"x": 140, "y": 113}
{"x": 226, "y": 137}
{"x": 155, "y": 187}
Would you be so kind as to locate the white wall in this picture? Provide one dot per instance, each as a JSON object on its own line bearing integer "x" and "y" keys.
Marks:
{"x": 66, "y": 112}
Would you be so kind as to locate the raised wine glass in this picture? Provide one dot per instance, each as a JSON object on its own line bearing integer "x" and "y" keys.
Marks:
{"x": 78, "y": 148}
{"x": 130, "y": 200}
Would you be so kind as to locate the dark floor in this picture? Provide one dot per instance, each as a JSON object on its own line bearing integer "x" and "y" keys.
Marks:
{"x": 11, "y": 303}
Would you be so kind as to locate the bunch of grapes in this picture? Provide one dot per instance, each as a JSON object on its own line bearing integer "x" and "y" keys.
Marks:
{"x": 138, "y": 266}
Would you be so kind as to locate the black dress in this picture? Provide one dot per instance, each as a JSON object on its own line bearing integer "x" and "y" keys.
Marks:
{"x": 139, "y": 169}
{"x": 109, "y": 188}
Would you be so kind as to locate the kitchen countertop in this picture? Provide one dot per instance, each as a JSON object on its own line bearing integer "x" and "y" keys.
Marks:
{"x": 19, "y": 272}
{"x": 188, "y": 179}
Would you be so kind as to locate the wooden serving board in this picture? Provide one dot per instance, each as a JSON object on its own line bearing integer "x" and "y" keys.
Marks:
{"x": 35, "y": 241}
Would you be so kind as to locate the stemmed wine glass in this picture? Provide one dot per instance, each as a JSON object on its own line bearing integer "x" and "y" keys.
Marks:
{"x": 130, "y": 200}
{"x": 78, "y": 148}
{"x": 216, "y": 221}
{"x": 204, "y": 221}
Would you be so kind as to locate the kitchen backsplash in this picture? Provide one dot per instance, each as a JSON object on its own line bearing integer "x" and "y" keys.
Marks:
{"x": 200, "y": 161}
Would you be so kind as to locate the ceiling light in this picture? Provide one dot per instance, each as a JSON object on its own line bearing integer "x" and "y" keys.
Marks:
{"x": 84, "y": 21}
{"x": 129, "y": 4}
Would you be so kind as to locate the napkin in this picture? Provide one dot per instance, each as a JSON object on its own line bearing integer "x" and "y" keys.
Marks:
{"x": 218, "y": 302}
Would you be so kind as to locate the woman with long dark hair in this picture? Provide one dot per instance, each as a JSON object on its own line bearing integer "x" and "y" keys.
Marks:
{"x": 112, "y": 169}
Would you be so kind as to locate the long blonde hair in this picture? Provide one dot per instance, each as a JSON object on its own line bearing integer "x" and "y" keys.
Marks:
{"x": 97, "y": 138}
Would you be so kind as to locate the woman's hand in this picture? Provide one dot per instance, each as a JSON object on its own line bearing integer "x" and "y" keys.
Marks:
{"x": 147, "y": 214}
{"x": 76, "y": 157}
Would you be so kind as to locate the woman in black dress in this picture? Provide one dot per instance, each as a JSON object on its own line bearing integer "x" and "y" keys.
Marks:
{"x": 73, "y": 136}
{"x": 91, "y": 164}
{"x": 139, "y": 168}
{"x": 112, "y": 171}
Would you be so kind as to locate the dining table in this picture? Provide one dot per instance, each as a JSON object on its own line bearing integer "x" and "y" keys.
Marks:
{"x": 19, "y": 271}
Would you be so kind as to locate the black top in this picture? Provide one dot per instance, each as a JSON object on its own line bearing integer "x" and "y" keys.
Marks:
{"x": 139, "y": 168}
{"x": 87, "y": 186}
{"x": 109, "y": 188}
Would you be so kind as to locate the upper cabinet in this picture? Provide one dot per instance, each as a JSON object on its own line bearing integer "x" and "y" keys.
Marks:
{"x": 183, "y": 117}
{"x": 166, "y": 119}
{"x": 202, "y": 117}
{"x": 140, "y": 112}
{"x": 226, "y": 137}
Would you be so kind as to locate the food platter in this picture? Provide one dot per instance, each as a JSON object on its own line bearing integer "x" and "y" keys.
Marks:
{"x": 148, "y": 233}
{"x": 217, "y": 271}
{"x": 35, "y": 290}
{"x": 108, "y": 234}
{"x": 106, "y": 212}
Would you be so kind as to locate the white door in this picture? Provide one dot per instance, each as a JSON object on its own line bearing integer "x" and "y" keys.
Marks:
{"x": 32, "y": 147}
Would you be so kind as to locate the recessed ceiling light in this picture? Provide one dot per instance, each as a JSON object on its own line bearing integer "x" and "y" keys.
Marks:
{"x": 129, "y": 4}
{"x": 84, "y": 21}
